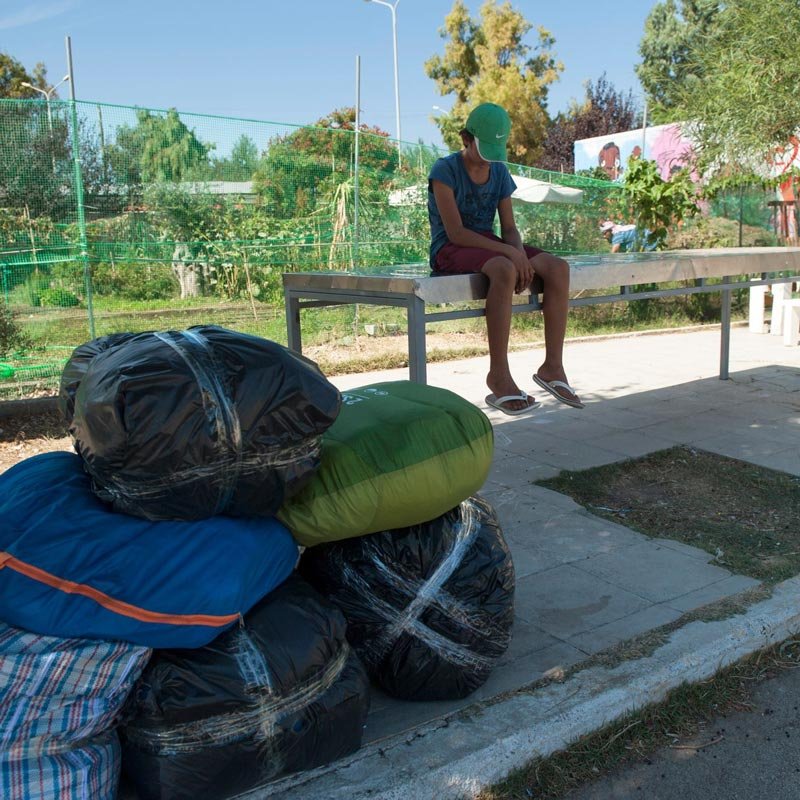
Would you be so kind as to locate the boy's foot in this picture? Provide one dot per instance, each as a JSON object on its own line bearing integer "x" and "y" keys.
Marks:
{"x": 507, "y": 394}
{"x": 560, "y": 389}
{"x": 512, "y": 404}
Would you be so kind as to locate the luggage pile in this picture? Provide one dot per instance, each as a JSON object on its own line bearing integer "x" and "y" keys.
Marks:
{"x": 397, "y": 540}
{"x": 155, "y": 618}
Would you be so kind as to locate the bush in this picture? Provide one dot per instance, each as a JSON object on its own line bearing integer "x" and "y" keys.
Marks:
{"x": 707, "y": 232}
{"x": 35, "y": 284}
{"x": 12, "y": 337}
{"x": 58, "y": 298}
{"x": 134, "y": 281}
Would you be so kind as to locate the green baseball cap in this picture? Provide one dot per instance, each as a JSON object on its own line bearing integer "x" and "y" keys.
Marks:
{"x": 490, "y": 125}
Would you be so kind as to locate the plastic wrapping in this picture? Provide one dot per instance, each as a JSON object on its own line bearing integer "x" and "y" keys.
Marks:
{"x": 429, "y": 608}
{"x": 75, "y": 369}
{"x": 70, "y": 566}
{"x": 60, "y": 700}
{"x": 399, "y": 453}
{"x": 188, "y": 424}
{"x": 282, "y": 693}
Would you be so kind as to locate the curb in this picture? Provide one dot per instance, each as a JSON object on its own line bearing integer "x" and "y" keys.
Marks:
{"x": 454, "y": 758}
{"x": 34, "y": 405}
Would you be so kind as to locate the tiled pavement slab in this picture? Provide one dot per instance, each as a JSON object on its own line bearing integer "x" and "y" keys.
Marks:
{"x": 583, "y": 582}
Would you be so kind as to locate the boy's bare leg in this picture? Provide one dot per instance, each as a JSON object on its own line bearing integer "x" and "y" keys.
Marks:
{"x": 502, "y": 278}
{"x": 554, "y": 272}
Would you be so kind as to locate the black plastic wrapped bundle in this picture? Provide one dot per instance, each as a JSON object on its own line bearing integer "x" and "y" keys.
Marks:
{"x": 429, "y": 608}
{"x": 282, "y": 693}
{"x": 187, "y": 424}
{"x": 75, "y": 368}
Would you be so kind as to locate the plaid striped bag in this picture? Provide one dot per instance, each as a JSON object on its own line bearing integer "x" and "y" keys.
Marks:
{"x": 59, "y": 703}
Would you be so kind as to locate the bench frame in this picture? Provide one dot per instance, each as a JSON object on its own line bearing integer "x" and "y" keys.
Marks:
{"x": 413, "y": 288}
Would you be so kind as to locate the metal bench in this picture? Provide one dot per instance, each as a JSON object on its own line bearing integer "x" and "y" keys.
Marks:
{"x": 413, "y": 287}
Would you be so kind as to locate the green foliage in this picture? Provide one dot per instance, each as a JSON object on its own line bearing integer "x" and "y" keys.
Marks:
{"x": 746, "y": 105}
{"x": 675, "y": 35}
{"x": 655, "y": 204}
{"x": 712, "y": 231}
{"x": 241, "y": 164}
{"x": 35, "y": 159}
{"x": 595, "y": 173}
{"x": 13, "y": 75}
{"x": 58, "y": 298}
{"x": 134, "y": 280}
{"x": 12, "y": 338}
{"x": 159, "y": 148}
{"x": 487, "y": 60}
{"x": 300, "y": 172}
{"x": 36, "y": 283}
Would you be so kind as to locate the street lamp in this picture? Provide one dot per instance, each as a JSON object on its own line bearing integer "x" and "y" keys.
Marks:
{"x": 48, "y": 94}
{"x": 393, "y": 9}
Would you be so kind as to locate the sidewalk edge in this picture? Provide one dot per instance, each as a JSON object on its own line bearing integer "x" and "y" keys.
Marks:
{"x": 454, "y": 758}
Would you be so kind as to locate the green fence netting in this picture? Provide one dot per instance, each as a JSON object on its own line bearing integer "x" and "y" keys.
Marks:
{"x": 124, "y": 218}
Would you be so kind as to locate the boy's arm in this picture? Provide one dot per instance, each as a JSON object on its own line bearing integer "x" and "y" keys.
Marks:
{"x": 508, "y": 226}
{"x": 510, "y": 234}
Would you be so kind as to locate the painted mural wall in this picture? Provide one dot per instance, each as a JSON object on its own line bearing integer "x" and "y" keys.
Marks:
{"x": 673, "y": 150}
{"x": 665, "y": 144}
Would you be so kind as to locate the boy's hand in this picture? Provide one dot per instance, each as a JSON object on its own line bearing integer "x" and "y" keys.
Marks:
{"x": 524, "y": 271}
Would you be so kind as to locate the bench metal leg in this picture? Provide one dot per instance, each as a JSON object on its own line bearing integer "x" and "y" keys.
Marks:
{"x": 293, "y": 322}
{"x": 417, "y": 366}
{"x": 725, "y": 334}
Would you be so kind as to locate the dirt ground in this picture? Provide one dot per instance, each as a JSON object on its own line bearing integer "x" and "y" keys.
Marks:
{"x": 25, "y": 436}
{"x": 743, "y": 514}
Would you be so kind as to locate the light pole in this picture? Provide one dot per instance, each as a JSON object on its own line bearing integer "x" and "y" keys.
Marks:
{"x": 393, "y": 9}
{"x": 48, "y": 94}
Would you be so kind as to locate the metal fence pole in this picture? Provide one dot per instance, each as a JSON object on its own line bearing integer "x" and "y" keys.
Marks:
{"x": 81, "y": 211}
{"x": 356, "y": 165}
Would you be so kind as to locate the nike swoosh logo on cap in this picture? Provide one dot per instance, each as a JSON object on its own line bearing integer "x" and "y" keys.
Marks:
{"x": 499, "y": 136}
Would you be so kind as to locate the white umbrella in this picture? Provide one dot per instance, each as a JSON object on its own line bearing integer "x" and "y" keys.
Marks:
{"x": 530, "y": 190}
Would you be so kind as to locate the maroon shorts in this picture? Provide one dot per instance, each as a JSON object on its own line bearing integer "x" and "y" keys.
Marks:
{"x": 454, "y": 259}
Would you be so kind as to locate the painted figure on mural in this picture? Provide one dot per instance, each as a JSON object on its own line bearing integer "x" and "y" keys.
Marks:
{"x": 608, "y": 159}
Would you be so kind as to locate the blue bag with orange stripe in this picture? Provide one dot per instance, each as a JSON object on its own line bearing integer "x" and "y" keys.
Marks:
{"x": 72, "y": 567}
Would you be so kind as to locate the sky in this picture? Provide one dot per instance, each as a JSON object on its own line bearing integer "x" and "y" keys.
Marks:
{"x": 295, "y": 61}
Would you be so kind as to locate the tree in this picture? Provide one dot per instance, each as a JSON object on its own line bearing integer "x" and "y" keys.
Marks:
{"x": 487, "y": 60}
{"x": 13, "y": 75}
{"x": 674, "y": 37}
{"x": 603, "y": 111}
{"x": 241, "y": 164}
{"x": 303, "y": 169}
{"x": 747, "y": 106}
{"x": 158, "y": 148}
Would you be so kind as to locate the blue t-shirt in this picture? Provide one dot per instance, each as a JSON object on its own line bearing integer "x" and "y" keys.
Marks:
{"x": 631, "y": 240}
{"x": 477, "y": 203}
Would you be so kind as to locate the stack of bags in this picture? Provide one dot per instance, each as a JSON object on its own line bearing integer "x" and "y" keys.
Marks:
{"x": 149, "y": 586}
{"x": 396, "y": 539}
{"x": 184, "y": 607}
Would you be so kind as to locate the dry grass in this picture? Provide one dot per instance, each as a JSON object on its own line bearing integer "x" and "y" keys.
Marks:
{"x": 684, "y": 713}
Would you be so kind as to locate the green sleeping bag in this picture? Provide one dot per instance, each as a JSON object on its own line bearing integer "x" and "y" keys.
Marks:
{"x": 398, "y": 454}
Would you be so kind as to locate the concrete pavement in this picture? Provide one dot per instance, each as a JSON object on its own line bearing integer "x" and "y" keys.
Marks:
{"x": 585, "y": 584}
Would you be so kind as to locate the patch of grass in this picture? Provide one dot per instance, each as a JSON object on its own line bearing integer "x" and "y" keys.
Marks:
{"x": 744, "y": 515}
{"x": 632, "y": 738}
